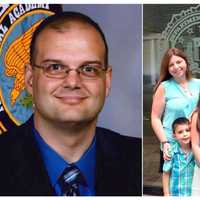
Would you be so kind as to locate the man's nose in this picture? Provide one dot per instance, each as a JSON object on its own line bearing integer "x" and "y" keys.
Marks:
{"x": 72, "y": 79}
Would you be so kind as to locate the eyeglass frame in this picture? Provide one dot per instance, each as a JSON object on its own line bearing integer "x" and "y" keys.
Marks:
{"x": 67, "y": 70}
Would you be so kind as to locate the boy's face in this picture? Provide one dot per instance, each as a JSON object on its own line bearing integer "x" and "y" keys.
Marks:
{"x": 182, "y": 133}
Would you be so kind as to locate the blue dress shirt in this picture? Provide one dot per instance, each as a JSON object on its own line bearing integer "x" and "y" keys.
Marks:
{"x": 55, "y": 165}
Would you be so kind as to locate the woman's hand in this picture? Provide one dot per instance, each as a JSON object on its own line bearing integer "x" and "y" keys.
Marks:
{"x": 166, "y": 151}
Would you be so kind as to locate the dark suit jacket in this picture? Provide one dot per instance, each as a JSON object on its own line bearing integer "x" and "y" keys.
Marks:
{"x": 22, "y": 171}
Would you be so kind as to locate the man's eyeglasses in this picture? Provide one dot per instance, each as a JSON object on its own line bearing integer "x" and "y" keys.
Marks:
{"x": 86, "y": 72}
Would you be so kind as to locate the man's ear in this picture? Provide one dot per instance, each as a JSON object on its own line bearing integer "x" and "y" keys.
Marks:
{"x": 28, "y": 78}
{"x": 108, "y": 79}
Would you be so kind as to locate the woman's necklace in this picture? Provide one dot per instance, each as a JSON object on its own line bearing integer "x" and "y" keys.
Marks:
{"x": 186, "y": 89}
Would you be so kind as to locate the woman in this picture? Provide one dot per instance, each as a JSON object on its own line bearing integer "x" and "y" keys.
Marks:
{"x": 175, "y": 95}
{"x": 195, "y": 131}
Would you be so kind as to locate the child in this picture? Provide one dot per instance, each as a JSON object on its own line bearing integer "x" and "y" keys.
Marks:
{"x": 178, "y": 171}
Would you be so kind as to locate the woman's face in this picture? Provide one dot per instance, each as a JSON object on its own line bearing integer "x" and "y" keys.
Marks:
{"x": 177, "y": 67}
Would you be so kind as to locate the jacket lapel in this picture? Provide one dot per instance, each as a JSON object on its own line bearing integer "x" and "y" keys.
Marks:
{"x": 107, "y": 167}
{"x": 30, "y": 174}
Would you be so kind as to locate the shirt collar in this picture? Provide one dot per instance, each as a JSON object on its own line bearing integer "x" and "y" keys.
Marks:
{"x": 55, "y": 164}
{"x": 177, "y": 148}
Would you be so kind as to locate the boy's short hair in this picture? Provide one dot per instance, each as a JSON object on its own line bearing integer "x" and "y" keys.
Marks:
{"x": 179, "y": 121}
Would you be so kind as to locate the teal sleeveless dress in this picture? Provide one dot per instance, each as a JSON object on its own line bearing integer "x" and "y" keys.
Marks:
{"x": 178, "y": 103}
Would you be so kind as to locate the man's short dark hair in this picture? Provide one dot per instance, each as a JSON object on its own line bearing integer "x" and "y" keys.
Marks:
{"x": 179, "y": 121}
{"x": 56, "y": 21}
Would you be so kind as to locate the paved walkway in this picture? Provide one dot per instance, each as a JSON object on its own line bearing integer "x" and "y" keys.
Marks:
{"x": 152, "y": 181}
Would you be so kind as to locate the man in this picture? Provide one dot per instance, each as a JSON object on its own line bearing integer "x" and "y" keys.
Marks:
{"x": 60, "y": 151}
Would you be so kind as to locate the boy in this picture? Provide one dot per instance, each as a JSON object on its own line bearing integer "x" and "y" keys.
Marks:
{"x": 178, "y": 171}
